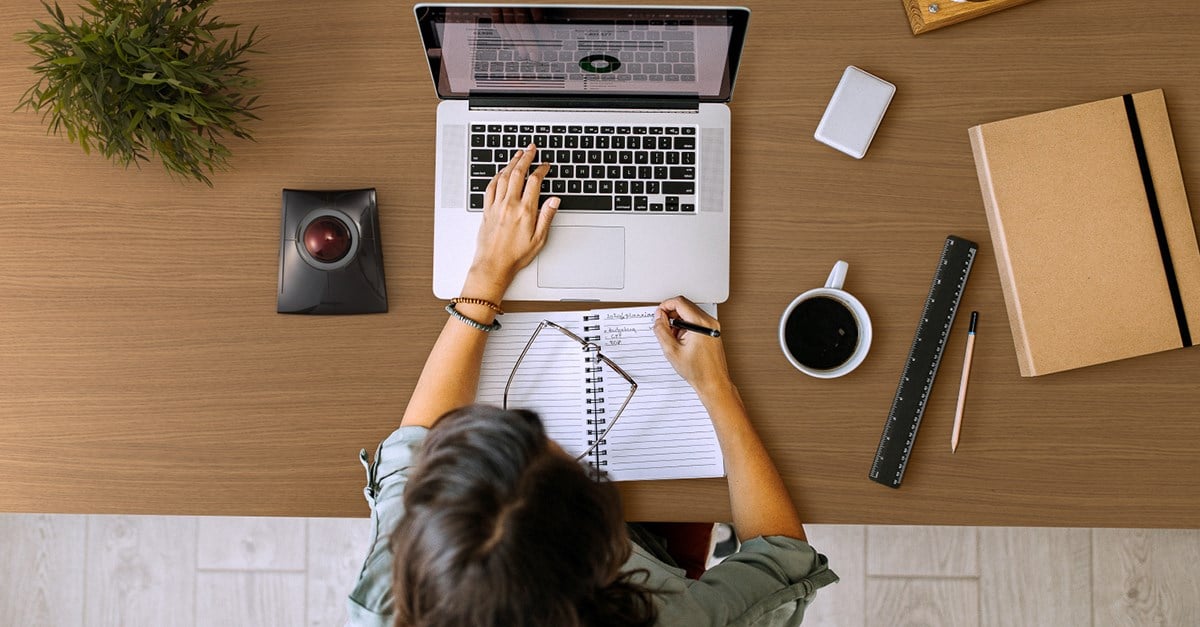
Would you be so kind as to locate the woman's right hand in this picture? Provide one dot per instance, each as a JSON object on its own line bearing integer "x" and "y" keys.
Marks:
{"x": 698, "y": 358}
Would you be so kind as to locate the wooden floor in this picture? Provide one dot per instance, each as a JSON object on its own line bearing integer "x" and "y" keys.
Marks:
{"x": 165, "y": 571}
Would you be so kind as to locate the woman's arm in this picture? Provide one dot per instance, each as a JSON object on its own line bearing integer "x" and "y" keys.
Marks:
{"x": 512, "y": 233}
{"x": 760, "y": 501}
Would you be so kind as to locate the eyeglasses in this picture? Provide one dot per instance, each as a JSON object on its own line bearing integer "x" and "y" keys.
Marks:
{"x": 589, "y": 347}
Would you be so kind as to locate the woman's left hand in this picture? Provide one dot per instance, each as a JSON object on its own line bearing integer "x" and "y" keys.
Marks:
{"x": 513, "y": 231}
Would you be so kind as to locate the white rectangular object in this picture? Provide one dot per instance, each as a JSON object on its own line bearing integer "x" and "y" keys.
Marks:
{"x": 854, "y": 112}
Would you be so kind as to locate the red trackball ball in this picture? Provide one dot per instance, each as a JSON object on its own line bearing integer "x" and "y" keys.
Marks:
{"x": 327, "y": 239}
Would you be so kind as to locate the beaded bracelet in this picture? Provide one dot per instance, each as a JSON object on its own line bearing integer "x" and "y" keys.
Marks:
{"x": 487, "y": 328}
{"x": 478, "y": 301}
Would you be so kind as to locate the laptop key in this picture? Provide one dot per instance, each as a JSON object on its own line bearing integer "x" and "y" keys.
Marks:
{"x": 479, "y": 185}
{"x": 597, "y": 171}
{"x": 589, "y": 187}
{"x": 629, "y": 172}
{"x": 575, "y": 129}
{"x": 679, "y": 187}
{"x": 542, "y": 129}
{"x": 478, "y": 128}
{"x": 614, "y": 172}
{"x": 689, "y": 130}
{"x": 607, "y": 130}
{"x": 510, "y": 128}
{"x": 683, "y": 172}
{"x": 687, "y": 208}
{"x": 653, "y": 187}
{"x": 641, "y": 156}
{"x": 623, "y": 203}
{"x": 660, "y": 171}
{"x": 673, "y": 158}
{"x": 585, "y": 203}
{"x": 689, "y": 158}
{"x": 493, "y": 141}
{"x": 524, "y": 140}
{"x": 559, "y": 129}
{"x": 672, "y": 203}
{"x": 641, "y": 203}
{"x": 606, "y": 187}
{"x": 574, "y": 186}
{"x": 579, "y": 156}
{"x": 478, "y": 156}
{"x": 623, "y": 130}
{"x": 483, "y": 169}
{"x": 637, "y": 187}
{"x": 610, "y": 156}
{"x": 645, "y": 172}
{"x": 477, "y": 201}
{"x": 527, "y": 128}
{"x": 495, "y": 128}
{"x": 685, "y": 143}
{"x": 558, "y": 187}
{"x": 477, "y": 141}
{"x": 595, "y": 156}
{"x": 656, "y": 206}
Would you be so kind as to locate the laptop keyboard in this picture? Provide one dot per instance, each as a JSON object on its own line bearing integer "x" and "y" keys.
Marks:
{"x": 639, "y": 169}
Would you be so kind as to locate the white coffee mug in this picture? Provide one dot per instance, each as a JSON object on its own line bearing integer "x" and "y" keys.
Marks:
{"x": 833, "y": 290}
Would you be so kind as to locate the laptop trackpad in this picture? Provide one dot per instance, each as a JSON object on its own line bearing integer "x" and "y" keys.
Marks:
{"x": 583, "y": 257}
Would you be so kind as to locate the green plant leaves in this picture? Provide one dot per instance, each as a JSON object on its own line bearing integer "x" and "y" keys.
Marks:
{"x": 140, "y": 77}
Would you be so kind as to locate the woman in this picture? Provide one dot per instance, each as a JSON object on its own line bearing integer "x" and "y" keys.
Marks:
{"x": 481, "y": 520}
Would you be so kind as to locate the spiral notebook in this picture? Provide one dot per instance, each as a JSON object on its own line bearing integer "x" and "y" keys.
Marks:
{"x": 664, "y": 432}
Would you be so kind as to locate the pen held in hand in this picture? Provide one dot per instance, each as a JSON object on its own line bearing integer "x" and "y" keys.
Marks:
{"x": 962, "y": 386}
{"x": 694, "y": 328}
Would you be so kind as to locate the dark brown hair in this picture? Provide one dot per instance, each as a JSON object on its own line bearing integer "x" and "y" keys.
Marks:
{"x": 501, "y": 528}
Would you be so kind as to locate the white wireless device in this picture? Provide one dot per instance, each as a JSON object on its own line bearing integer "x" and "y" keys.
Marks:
{"x": 854, "y": 112}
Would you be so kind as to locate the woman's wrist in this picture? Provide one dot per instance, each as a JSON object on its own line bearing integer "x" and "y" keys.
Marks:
{"x": 486, "y": 284}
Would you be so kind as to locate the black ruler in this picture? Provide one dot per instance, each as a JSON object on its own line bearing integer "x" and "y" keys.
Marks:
{"x": 900, "y": 430}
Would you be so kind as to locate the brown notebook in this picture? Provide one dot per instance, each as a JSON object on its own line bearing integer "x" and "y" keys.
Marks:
{"x": 1092, "y": 232}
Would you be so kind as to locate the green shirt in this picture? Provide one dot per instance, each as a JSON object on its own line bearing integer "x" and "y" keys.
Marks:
{"x": 767, "y": 583}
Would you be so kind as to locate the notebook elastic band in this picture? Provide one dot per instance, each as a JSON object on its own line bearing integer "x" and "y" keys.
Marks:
{"x": 1156, "y": 215}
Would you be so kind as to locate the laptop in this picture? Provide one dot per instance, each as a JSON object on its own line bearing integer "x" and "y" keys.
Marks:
{"x": 627, "y": 104}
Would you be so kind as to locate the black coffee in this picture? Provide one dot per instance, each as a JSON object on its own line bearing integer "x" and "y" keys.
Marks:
{"x": 821, "y": 333}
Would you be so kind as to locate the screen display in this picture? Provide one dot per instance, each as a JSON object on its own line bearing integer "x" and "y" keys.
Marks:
{"x": 600, "y": 51}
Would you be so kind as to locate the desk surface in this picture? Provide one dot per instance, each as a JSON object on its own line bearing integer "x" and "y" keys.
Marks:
{"x": 145, "y": 370}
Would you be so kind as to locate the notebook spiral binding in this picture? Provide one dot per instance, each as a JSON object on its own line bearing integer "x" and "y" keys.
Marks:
{"x": 595, "y": 411}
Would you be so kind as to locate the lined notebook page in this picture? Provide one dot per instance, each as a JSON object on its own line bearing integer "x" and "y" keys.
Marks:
{"x": 551, "y": 380}
{"x": 665, "y": 432}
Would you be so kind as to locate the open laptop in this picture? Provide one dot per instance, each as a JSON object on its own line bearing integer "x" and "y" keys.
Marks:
{"x": 627, "y": 104}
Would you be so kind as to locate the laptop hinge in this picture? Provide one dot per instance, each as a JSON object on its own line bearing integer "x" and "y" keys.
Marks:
{"x": 582, "y": 101}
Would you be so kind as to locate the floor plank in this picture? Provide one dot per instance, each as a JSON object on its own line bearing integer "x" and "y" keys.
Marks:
{"x": 41, "y": 579}
{"x": 906, "y": 551}
{"x": 899, "y": 602}
{"x": 250, "y": 543}
{"x": 141, "y": 570}
{"x": 1146, "y": 577}
{"x": 1035, "y": 577}
{"x": 840, "y": 604}
{"x": 336, "y": 550}
{"x": 262, "y": 599}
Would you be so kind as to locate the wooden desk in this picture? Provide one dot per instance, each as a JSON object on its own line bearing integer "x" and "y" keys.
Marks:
{"x": 143, "y": 368}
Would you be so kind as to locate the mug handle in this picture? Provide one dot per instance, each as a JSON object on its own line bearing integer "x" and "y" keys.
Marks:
{"x": 837, "y": 278}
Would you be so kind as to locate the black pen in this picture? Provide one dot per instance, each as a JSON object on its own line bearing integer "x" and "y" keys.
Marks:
{"x": 694, "y": 328}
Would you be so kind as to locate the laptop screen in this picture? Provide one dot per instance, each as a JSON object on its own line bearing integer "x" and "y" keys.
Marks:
{"x": 477, "y": 50}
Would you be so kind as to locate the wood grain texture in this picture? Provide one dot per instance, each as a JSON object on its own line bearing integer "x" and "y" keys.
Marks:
{"x": 146, "y": 371}
{"x": 922, "y": 602}
{"x": 841, "y": 604}
{"x": 1145, "y": 577}
{"x": 904, "y": 551}
{"x": 251, "y": 543}
{"x": 250, "y": 598}
{"x": 41, "y": 569}
{"x": 337, "y": 548}
{"x": 141, "y": 571}
{"x": 1035, "y": 577}
{"x": 947, "y": 12}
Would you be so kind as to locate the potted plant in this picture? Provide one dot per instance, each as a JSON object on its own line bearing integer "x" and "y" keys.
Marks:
{"x": 139, "y": 77}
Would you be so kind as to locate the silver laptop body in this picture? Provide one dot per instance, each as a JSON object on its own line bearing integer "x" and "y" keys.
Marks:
{"x": 627, "y": 104}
